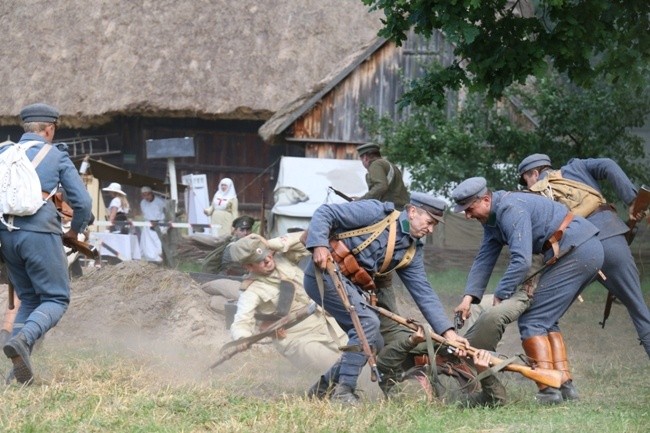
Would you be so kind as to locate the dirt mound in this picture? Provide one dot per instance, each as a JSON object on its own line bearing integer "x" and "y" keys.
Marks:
{"x": 139, "y": 301}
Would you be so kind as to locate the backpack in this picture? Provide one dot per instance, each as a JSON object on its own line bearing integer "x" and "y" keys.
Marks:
{"x": 20, "y": 187}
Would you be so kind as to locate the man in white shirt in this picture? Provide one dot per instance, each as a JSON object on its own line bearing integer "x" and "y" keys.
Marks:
{"x": 153, "y": 210}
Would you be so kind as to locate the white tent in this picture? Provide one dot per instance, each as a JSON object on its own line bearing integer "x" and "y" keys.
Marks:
{"x": 303, "y": 185}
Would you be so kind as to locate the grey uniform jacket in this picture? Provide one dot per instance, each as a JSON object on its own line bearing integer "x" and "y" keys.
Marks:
{"x": 523, "y": 221}
{"x": 337, "y": 218}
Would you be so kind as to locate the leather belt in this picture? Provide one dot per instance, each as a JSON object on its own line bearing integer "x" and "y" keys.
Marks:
{"x": 603, "y": 208}
{"x": 555, "y": 238}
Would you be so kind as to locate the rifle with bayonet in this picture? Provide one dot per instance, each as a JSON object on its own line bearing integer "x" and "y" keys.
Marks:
{"x": 232, "y": 348}
{"x": 639, "y": 207}
{"x": 335, "y": 275}
{"x": 548, "y": 377}
{"x": 341, "y": 194}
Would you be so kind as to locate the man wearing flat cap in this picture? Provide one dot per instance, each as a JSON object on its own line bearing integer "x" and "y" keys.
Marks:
{"x": 31, "y": 245}
{"x": 217, "y": 262}
{"x": 384, "y": 179}
{"x": 273, "y": 289}
{"x": 379, "y": 239}
{"x": 577, "y": 186}
{"x": 530, "y": 224}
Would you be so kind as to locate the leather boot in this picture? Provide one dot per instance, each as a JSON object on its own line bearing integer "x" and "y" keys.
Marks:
{"x": 18, "y": 350}
{"x": 343, "y": 393}
{"x": 538, "y": 349}
{"x": 560, "y": 362}
{"x": 320, "y": 389}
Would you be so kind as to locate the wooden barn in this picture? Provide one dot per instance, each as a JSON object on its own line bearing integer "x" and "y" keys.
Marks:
{"x": 326, "y": 120}
{"x": 124, "y": 72}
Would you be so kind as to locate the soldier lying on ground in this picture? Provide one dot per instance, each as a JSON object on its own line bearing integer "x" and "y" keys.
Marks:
{"x": 274, "y": 289}
{"x": 406, "y": 362}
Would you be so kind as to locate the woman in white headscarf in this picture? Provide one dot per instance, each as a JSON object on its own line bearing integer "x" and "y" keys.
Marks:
{"x": 224, "y": 207}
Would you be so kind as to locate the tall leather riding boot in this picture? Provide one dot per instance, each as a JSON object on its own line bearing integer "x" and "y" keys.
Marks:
{"x": 560, "y": 362}
{"x": 538, "y": 349}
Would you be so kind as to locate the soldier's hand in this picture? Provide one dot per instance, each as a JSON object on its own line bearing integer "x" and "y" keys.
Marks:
{"x": 320, "y": 256}
{"x": 451, "y": 335}
{"x": 481, "y": 360}
{"x": 464, "y": 307}
{"x": 417, "y": 337}
{"x": 70, "y": 234}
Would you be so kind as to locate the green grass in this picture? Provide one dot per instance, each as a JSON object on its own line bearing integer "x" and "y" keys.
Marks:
{"x": 86, "y": 387}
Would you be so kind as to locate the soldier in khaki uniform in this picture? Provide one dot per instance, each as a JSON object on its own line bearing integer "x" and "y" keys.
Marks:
{"x": 384, "y": 179}
{"x": 274, "y": 288}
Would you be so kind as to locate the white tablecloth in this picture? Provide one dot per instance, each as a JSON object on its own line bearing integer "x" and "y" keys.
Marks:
{"x": 126, "y": 246}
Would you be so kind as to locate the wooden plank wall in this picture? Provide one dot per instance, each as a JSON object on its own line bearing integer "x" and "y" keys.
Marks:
{"x": 332, "y": 127}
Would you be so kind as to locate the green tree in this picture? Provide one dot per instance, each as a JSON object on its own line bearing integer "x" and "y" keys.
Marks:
{"x": 482, "y": 140}
{"x": 501, "y": 42}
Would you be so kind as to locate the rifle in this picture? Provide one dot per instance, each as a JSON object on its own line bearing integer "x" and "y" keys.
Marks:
{"x": 640, "y": 205}
{"x": 340, "y": 194}
{"x": 203, "y": 277}
{"x": 10, "y": 293}
{"x": 232, "y": 348}
{"x": 334, "y": 274}
{"x": 548, "y": 377}
{"x": 84, "y": 248}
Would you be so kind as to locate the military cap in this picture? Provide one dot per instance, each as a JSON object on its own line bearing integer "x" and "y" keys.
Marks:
{"x": 39, "y": 113}
{"x": 467, "y": 192}
{"x": 433, "y": 206}
{"x": 367, "y": 147}
{"x": 249, "y": 249}
{"x": 532, "y": 161}
{"x": 243, "y": 222}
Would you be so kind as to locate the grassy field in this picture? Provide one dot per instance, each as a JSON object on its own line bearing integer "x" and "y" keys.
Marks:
{"x": 87, "y": 387}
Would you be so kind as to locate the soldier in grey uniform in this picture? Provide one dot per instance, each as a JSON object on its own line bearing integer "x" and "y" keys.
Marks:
{"x": 34, "y": 255}
{"x": 621, "y": 273}
{"x": 529, "y": 224}
{"x": 416, "y": 221}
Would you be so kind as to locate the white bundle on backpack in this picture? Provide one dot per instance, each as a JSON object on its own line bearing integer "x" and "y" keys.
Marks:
{"x": 20, "y": 187}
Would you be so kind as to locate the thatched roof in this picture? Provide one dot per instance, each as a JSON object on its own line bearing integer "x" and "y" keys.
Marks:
{"x": 244, "y": 59}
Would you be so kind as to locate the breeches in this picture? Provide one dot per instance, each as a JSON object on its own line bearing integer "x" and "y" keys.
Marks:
{"x": 38, "y": 269}
{"x": 351, "y": 362}
{"x": 622, "y": 280}
{"x": 559, "y": 286}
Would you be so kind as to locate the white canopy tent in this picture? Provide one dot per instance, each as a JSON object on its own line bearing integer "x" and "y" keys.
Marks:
{"x": 303, "y": 185}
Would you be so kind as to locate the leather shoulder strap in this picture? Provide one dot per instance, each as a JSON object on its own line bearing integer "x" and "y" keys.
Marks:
{"x": 376, "y": 229}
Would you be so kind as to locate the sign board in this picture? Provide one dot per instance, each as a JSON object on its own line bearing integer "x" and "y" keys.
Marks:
{"x": 170, "y": 148}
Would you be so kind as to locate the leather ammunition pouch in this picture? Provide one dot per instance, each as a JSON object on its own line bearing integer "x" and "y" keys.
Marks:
{"x": 349, "y": 266}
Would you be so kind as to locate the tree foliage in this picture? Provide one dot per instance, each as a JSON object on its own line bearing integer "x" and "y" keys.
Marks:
{"x": 501, "y": 42}
{"x": 483, "y": 139}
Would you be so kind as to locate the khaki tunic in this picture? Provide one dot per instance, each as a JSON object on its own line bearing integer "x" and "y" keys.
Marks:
{"x": 385, "y": 183}
{"x": 311, "y": 343}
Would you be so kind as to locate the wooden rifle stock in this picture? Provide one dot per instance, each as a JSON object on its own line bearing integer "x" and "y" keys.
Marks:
{"x": 548, "y": 377}
{"x": 84, "y": 248}
{"x": 640, "y": 205}
{"x": 340, "y": 288}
